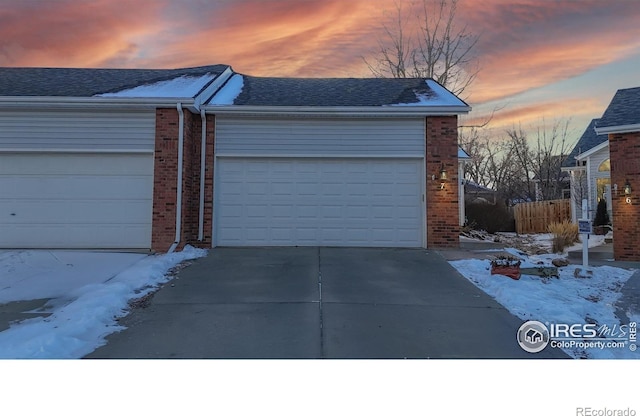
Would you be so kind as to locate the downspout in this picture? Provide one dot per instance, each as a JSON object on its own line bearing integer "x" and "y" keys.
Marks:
{"x": 203, "y": 161}
{"x": 179, "y": 191}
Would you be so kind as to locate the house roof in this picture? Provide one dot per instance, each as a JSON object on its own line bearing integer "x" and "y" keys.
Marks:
{"x": 623, "y": 113}
{"x": 88, "y": 82}
{"x": 587, "y": 141}
{"x": 222, "y": 90}
{"x": 344, "y": 92}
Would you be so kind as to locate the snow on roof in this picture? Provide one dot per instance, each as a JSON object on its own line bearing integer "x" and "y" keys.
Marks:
{"x": 183, "y": 86}
{"x": 437, "y": 96}
{"x": 229, "y": 92}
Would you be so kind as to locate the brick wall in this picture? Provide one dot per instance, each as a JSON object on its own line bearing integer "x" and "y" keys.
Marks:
{"x": 166, "y": 177}
{"x": 443, "y": 227}
{"x": 624, "y": 150}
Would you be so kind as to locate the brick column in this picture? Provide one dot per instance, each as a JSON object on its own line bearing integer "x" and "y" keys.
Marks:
{"x": 624, "y": 151}
{"x": 208, "y": 182}
{"x": 443, "y": 228}
{"x": 165, "y": 176}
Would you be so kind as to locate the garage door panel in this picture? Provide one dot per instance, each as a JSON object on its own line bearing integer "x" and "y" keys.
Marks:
{"x": 347, "y": 202}
{"x": 66, "y": 186}
{"x": 59, "y": 200}
{"x": 74, "y": 211}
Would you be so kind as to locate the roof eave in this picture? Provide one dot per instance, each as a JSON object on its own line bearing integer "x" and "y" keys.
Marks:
{"x": 626, "y": 128}
{"x": 390, "y": 111}
{"x": 31, "y": 102}
{"x": 591, "y": 151}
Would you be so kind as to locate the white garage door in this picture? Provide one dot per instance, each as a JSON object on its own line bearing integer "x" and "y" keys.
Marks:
{"x": 314, "y": 201}
{"x": 75, "y": 200}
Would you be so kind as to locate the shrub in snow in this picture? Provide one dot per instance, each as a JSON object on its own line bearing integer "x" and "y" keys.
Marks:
{"x": 565, "y": 234}
{"x": 602, "y": 217}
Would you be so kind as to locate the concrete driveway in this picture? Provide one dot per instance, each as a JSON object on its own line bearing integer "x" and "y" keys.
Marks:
{"x": 310, "y": 302}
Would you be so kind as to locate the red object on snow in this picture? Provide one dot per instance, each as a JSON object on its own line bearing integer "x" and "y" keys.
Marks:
{"x": 509, "y": 271}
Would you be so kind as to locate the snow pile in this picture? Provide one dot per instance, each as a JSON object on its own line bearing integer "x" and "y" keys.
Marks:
{"x": 42, "y": 274}
{"x": 79, "y": 325}
{"x": 180, "y": 87}
{"x": 566, "y": 300}
{"x": 229, "y": 92}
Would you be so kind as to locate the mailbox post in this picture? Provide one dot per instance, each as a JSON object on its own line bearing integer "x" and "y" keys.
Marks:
{"x": 584, "y": 228}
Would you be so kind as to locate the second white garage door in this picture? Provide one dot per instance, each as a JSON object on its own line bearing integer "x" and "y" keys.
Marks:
{"x": 84, "y": 201}
{"x": 318, "y": 201}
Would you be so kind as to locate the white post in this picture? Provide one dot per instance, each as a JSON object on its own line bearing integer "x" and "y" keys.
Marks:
{"x": 585, "y": 237}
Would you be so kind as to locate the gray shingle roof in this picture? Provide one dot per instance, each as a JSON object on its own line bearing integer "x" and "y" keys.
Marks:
{"x": 588, "y": 140}
{"x": 86, "y": 82}
{"x": 320, "y": 92}
{"x": 623, "y": 110}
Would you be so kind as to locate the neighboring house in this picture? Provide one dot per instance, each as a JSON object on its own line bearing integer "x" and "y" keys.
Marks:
{"x": 463, "y": 158}
{"x": 554, "y": 182}
{"x": 589, "y": 167}
{"x": 621, "y": 123}
{"x": 155, "y": 159}
{"x": 474, "y": 193}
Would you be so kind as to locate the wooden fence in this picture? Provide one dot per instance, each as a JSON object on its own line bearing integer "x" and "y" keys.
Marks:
{"x": 534, "y": 217}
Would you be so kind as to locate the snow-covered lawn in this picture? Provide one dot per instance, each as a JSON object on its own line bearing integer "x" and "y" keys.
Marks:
{"x": 565, "y": 300}
{"x": 89, "y": 291}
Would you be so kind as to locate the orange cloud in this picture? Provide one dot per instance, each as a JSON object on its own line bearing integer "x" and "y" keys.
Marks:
{"x": 527, "y": 44}
{"x": 277, "y": 38}
{"x": 71, "y": 33}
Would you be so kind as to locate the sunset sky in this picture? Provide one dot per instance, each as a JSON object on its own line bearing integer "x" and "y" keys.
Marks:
{"x": 538, "y": 58}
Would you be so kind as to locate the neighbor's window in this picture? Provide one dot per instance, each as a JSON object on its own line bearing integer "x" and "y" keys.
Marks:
{"x": 603, "y": 186}
{"x": 605, "y": 166}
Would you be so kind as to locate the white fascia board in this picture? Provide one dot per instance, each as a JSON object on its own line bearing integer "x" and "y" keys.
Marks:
{"x": 572, "y": 168}
{"x": 212, "y": 88}
{"x": 409, "y": 111}
{"x": 627, "y": 128}
{"x": 91, "y": 102}
{"x": 593, "y": 150}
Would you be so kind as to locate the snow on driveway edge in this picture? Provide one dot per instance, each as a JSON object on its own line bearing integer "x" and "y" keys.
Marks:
{"x": 80, "y": 326}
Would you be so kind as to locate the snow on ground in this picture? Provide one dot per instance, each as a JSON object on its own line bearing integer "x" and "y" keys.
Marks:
{"x": 85, "y": 315}
{"x": 41, "y": 274}
{"x": 567, "y": 300}
{"x": 179, "y": 87}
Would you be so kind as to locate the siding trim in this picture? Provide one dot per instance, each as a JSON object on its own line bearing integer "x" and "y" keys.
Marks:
{"x": 76, "y": 131}
{"x": 328, "y": 137}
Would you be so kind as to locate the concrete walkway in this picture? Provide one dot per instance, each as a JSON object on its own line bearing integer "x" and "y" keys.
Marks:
{"x": 311, "y": 302}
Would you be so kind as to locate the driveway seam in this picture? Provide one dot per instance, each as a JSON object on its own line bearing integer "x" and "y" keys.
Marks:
{"x": 320, "y": 305}
{"x": 429, "y": 305}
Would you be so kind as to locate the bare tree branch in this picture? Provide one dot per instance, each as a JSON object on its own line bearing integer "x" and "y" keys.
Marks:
{"x": 440, "y": 49}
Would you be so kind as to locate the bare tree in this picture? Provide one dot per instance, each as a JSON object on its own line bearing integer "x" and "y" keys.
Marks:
{"x": 430, "y": 44}
{"x": 517, "y": 167}
{"x": 541, "y": 160}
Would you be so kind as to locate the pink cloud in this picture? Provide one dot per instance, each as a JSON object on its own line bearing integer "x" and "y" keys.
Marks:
{"x": 71, "y": 33}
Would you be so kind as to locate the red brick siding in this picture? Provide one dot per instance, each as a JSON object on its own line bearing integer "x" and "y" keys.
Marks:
{"x": 624, "y": 150}
{"x": 443, "y": 226}
{"x": 190, "y": 179}
{"x": 208, "y": 182}
{"x": 165, "y": 179}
